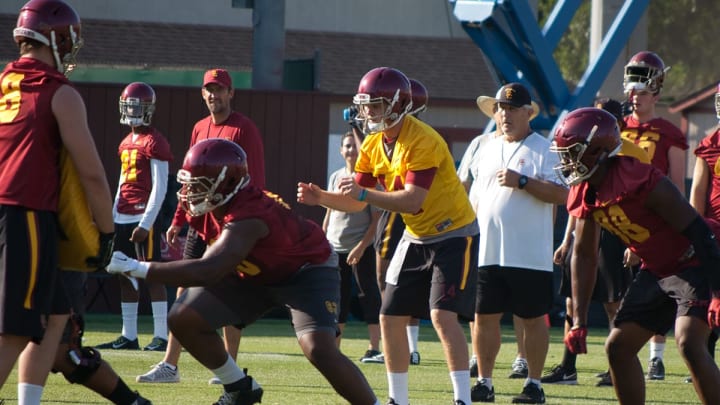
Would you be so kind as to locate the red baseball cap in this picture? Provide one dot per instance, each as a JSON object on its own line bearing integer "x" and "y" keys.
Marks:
{"x": 217, "y": 76}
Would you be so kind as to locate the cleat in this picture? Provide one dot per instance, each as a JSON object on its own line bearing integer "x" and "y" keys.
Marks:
{"x": 605, "y": 380}
{"x": 482, "y": 393}
{"x": 688, "y": 380}
{"x": 141, "y": 401}
{"x": 459, "y": 402}
{"x": 473, "y": 367}
{"x": 519, "y": 369}
{"x": 531, "y": 394}
{"x": 656, "y": 369}
{"x": 603, "y": 374}
{"x": 121, "y": 343}
{"x": 247, "y": 395}
{"x": 160, "y": 373}
{"x": 391, "y": 402}
{"x": 214, "y": 381}
{"x": 373, "y": 356}
{"x": 414, "y": 358}
{"x": 158, "y": 344}
{"x": 560, "y": 375}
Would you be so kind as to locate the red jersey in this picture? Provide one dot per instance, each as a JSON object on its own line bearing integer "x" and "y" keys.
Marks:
{"x": 656, "y": 136}
{"x": 709, "y": 151}
{"x": 135, "y": 172}
{"x": 29, "y": 135}
{"x": 618, "y": 205}
{"x": 292, "y": 243}
{"x": 241, "y": 130}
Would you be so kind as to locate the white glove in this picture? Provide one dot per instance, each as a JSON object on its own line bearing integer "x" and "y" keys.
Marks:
{"x": 122, "y": 264}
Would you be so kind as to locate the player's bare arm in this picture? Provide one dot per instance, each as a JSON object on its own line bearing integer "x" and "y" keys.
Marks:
{"x": 667, "y": 202}
{"x": 583, "y": 266}
{"x": 700, "y": 184}
{"x": 71, "y": 115}
{"x": 221, "y": 258}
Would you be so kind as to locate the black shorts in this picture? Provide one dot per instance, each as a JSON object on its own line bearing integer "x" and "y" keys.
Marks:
{"x": 613, "y": 278}
{"x": 438, "y": 275}
{"x": 655, "y": 303}
{"x": 150, "y": 248}
{"x": 390, "y": 229}
{"x": 28, "y": 269}
{"x": 526, "y": 293}
{"x": 367, "y": 287}
{"x": 311, "y": 295}
{"x": 70, "y": 296}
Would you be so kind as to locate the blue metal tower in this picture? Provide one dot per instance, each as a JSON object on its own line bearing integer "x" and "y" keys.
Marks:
{"x": 518, "y": 50}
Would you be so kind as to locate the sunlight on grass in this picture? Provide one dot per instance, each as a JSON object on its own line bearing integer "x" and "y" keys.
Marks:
{"x": 270, "y": 351}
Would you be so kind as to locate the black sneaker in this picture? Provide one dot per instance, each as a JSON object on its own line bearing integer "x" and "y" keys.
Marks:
{"x": 531, "y": 394}
{"x": 391, "y": 402}
{"x": 244, "y": 396}
{"x": 141, "y": 401}
{"x": 158, "y": 344}
{"x": 373, "y": 356}
{"x": 688, "y": 380}
{"x": 560, "y": 375}
{"x": 414, "y": 358}
{"x": 481, "y": 393}
{"x": 605, "y": 380}
{"x": 121, "y": 343}
{"x": 473, "y": 367}
{"x": 519, "y": 369}
{"x": 656, "y": 369}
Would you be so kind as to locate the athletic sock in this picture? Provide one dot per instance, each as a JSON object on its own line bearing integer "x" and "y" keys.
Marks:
{"x": 122, "y": 394}
{"x": 29, "y": 394}
{"x": 129, "y": 312}
{"x": 413, "y": 331}
{"x": 160, "y": 310}
{"x": 398, "y": 387}
{"x": 657, "y": 350}
{"x": 461, "y": 385}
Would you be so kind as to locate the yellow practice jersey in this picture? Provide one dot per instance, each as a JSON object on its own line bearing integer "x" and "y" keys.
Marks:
{"x": 419, "y": 147}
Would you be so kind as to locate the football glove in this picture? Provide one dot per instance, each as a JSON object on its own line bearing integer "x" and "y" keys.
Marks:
{"x": 128, "y": 267}
{"x": 576, "y": 340}
{"x": 107, "y": 243}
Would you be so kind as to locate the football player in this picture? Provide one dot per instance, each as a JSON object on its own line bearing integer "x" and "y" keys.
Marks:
{"x": 262, "y": 256}
{"x": 144, "y": 157}
{"x": 678, "y": 284}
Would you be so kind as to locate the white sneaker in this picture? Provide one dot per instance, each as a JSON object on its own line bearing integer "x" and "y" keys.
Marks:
{"x": 160, "y": 373}
{"x": 214, "y": 381}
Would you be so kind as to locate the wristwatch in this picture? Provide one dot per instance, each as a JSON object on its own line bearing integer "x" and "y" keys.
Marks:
{"x": 522, "y": 182}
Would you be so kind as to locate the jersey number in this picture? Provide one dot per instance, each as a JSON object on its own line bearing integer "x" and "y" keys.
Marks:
{"x": 619, "y": 224}
{"x": 10, "y": 97}
{"x": 647, "y": 140}
{"x": 129, "y": 167}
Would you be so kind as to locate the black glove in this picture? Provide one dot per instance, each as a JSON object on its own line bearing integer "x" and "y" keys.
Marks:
{"x": 107, "y": 244}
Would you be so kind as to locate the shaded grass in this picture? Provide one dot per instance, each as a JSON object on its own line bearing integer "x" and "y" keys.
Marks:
{"x": 270, "y": 351}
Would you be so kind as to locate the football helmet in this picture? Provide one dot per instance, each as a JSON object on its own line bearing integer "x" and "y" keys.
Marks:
{"x": 137, "y": 104}
{"x": 644, "y": 71}
{"x": 53, "y": 23}
{"x": 419, "y": 97}
{"x": 383, "y": 98}
{"x": 584, "y": 139}
{"x": 213, "y": 171}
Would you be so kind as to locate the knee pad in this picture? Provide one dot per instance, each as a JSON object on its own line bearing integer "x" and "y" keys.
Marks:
{"x": 86, "y": 360}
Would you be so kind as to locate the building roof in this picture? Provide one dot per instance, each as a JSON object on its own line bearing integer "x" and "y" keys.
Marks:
{"x": 451, "y": 68}
{"x": 693, "y": 99}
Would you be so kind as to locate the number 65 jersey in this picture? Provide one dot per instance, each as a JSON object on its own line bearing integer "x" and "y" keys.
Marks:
{"x": 618, "y": 205}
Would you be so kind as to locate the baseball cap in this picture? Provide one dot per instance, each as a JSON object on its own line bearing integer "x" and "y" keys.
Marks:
{"x": 514, "y": 94}
{"x": 217, "y": 76}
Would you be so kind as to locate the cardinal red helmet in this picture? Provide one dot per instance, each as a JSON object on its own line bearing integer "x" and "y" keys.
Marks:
{"x": 383, "y": 98}
{"x": 53, "y": 23}
{"x": 419, "y": 97}
{"x": 584, "y": 139}
{"x": 644, "y": 71}
{"x": 213, "y": 171}
{"x": 137, "y": 104}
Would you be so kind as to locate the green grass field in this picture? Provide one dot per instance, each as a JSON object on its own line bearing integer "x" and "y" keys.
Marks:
{"x": 273, "y": 357}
